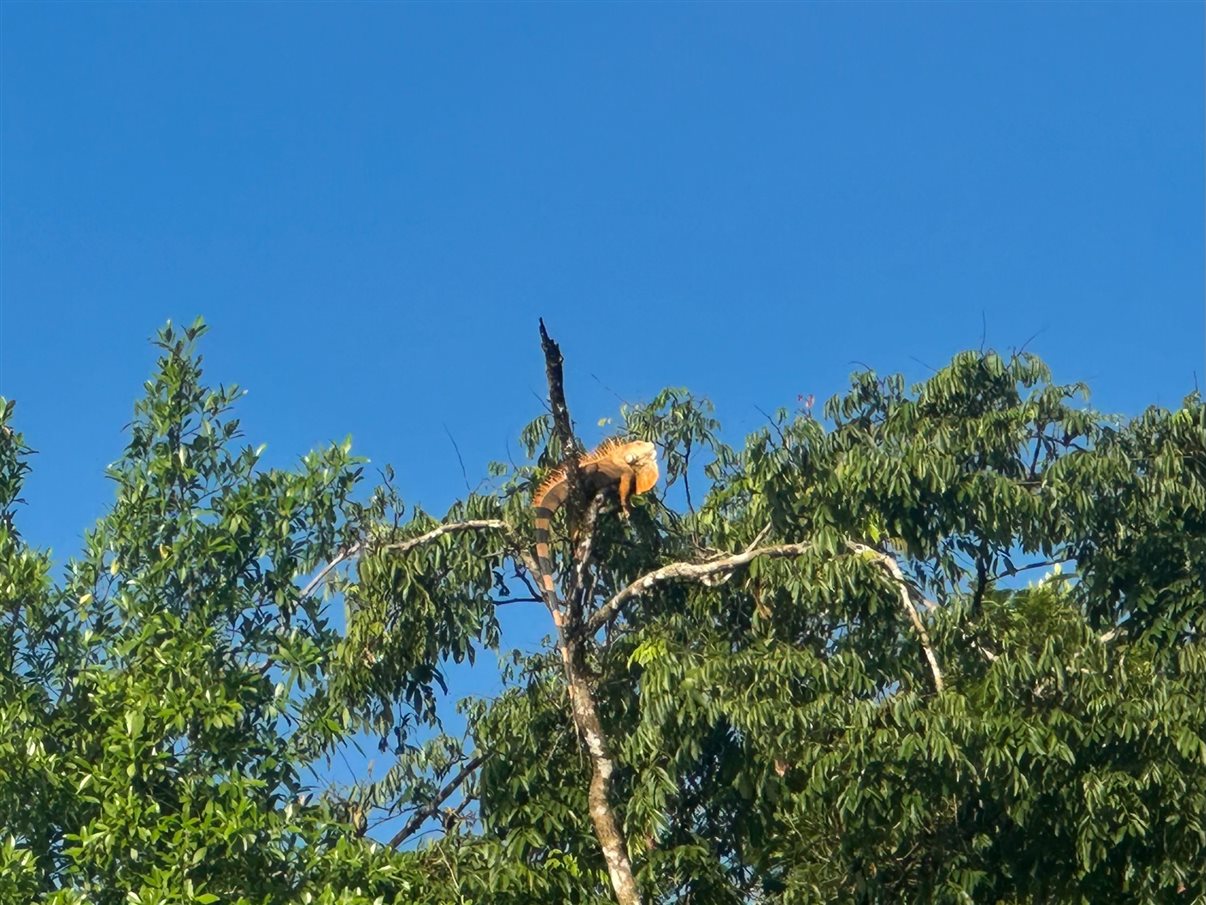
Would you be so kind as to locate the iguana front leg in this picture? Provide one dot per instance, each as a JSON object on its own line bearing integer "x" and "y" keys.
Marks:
{"x": 627, "y": 485}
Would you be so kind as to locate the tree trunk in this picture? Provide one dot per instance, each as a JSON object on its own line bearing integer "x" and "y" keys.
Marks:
{"x": 602, "y": 815}
{"x": 569, "y": 621}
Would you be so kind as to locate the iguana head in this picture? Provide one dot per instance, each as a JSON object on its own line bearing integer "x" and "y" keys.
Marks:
{"x": 641, "y": 456}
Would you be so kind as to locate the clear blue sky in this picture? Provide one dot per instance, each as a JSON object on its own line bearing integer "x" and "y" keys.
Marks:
{"x": 372, "y": 203}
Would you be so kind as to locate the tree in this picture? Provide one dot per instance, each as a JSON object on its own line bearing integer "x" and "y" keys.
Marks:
{"x": 943, "y": 643}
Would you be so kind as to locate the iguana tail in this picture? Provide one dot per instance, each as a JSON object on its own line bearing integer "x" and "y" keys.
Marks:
{"x": 547, "y": 501}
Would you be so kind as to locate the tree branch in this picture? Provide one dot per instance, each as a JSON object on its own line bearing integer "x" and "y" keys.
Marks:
{"x": 484, "y": 524}
{"x": 583, "y": 706}
{"x": 529, "y": 567}
{"x": 402, "y": 546}
{"x": 906, "y": 603}
{"x": 581, "y": 561}
{"x": 686, "y": 571}
{"x": 1017, "y": 570}
{"x": 682, "y": 571}
{"x": 509, "y": 600}
{"x": 563, "y": 427}
{"x": 318, "y": 579}
{"x": 419, "y": 817}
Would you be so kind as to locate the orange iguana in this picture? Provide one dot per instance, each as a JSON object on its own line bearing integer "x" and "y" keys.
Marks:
{"x": 630, "y": 467}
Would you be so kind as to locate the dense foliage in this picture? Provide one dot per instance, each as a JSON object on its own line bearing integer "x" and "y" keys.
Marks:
{"x": 977, "y": 674}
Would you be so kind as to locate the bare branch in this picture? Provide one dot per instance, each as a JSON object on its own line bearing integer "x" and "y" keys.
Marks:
{"x": 563, "y": 427}
{"x": 686, "y": 474}
{"x": 456, "y": 449}
{"x": 682, "y": 571}
{"x": 686, "y": 571}
{"x": 402, "y": 546}
{"x": 607, "y": 825}
{"x": 990, "y": 656}
{"x": 420, "y": 816}
{"x": 586, "y": 538}
{"x": 906, "y": 602}
{"x": 761, "y": 536}
{"x": 484, "y": 524}
{"x": 511, "y": 600}
{"x": 318, "y": 579}
{"x": 1017, "y": 570}
{"x": 528, "y": 566}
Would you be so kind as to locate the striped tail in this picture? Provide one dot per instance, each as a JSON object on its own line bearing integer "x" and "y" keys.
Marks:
{"x": 548, "y": 500}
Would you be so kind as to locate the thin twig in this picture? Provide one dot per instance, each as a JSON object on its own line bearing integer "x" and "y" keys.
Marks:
{"x": 782, "y": 439}
{"x": 1016, "y": 570}
{"x": 536, "y": 595}
{"x": 529, "y": 564}
{"x": 456, "y": 449}
{"x": 687, "y": 475}
{"x": 1038, "y": 448}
